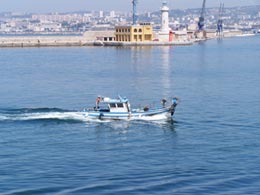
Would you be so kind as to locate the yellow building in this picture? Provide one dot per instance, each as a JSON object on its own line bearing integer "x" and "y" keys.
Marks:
{"x": 136, "y": 33}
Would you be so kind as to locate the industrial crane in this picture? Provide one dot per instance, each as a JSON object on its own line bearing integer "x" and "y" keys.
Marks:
{"x": 220, "y": 20}
{"x": 134, "y": 11}
{"x": 201, "y": 18}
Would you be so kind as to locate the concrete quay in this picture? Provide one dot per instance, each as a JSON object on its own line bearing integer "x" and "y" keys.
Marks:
{"x": 43, "y": 41}
{"x": 56, "y": 41}
{"x": 151, "y": 43}
{"x": 91, "y": 39}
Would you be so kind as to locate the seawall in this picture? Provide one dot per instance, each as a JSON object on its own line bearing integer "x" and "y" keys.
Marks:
{"x": 43, "y": 41}
{"x": 152, "y": 43}
{"x": 56, "y": 41}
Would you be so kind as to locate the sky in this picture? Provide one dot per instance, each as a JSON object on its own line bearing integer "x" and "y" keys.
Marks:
{"x": 43, "y": 6}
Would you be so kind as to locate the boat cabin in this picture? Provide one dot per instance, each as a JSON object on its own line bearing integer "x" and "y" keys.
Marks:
{"x": 117, "y": 105}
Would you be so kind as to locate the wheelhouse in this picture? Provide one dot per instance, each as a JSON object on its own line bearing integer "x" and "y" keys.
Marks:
{"x": 117, "y": 105}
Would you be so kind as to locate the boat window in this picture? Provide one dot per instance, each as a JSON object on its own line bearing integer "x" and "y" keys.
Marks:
{"x": 112, "y": 105}
{"x": 120, "y": 105}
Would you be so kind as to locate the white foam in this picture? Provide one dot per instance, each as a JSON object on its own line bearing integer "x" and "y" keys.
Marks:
{"x": 3, "y": 118}
{"x": 44, "y": 115}
{"x": 53, "y": 115}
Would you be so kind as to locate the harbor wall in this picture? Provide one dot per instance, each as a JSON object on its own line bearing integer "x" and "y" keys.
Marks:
{"x": 96, "y": 38}
{"x": 148, "y": 43}
{"x": 41, "y": 41}
{"x": 55, "y": 41}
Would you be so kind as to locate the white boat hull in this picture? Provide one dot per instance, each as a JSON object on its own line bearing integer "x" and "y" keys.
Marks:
{"x": 135, "y": 115}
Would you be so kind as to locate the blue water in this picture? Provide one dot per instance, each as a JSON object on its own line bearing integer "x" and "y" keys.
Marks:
{"x": 211, "y": 147}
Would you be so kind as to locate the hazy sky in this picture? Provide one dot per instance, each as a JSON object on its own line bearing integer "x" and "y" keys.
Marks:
{"x": 108, "y": 5}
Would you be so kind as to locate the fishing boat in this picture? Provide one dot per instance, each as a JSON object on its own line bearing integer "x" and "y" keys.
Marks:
{"x": 120, "y": 109}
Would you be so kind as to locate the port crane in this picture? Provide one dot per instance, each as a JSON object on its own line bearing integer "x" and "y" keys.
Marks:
{"x": 220, "y": 20}
{"x": 134, "y": 2}
{"x": 201, "y": 22}
{"x": 200, "y": 32}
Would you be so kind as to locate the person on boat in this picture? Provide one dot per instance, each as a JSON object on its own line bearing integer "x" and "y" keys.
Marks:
{"x": 174, "y": 101}
{"x": 97, "y": 102}
{"x": 163, "y": 102}
{"x": 146, "y": 108}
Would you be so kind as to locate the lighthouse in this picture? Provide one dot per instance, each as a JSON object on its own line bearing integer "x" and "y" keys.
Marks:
{"x": 165, "y": 18}
{"x": 165, "y": 30}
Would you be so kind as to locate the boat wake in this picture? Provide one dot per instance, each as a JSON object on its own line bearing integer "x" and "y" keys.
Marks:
{"x": 36, "y": 114}
{"x": 57, "y": 114}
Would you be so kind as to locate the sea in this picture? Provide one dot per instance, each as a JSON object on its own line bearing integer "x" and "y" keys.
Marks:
{"x": 212, "y": 145}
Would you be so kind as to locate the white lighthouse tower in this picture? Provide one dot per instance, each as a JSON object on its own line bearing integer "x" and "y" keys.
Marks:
{"x": 165, "y": 18}
{"x": 165, "y": 30}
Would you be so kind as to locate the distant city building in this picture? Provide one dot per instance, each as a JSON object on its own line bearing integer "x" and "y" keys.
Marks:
{"x": 61, "y": 17}
{"x": 101, "y": 14}
{"x": 165, "y": 22}
{"x": 112, "y": 14}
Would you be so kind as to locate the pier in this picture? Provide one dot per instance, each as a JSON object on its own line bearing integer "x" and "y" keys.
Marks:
{"x": 56, "y": 41}
{"x": 94, "y": 38}
{"x": 43, "y": 41}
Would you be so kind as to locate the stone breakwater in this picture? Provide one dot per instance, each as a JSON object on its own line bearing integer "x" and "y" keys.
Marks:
{"x": 44, "y": 41}
{"x": 152, "y": 43}
{"x": 91, "y": 38}
{"x": 56, "y": 41}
